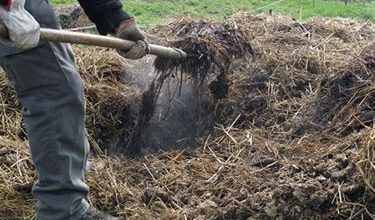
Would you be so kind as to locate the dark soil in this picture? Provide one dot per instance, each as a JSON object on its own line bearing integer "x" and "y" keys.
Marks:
{"x": 72, "y": 17}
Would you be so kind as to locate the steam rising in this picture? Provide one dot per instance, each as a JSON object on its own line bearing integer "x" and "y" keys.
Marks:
{"x": 183, "y": 112}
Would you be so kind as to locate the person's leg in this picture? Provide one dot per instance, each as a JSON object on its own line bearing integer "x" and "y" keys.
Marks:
{"x": 51, "y": 93}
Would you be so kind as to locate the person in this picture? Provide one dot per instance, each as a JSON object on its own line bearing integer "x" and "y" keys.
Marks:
{"x": 50, "y": 91}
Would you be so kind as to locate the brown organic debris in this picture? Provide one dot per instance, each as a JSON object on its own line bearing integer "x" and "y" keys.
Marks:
{"x": 211, "y": 48}
{"x": 292, "y": 138}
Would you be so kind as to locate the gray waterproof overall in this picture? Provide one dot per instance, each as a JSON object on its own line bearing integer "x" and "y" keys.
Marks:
{"x": 50, "y": 90}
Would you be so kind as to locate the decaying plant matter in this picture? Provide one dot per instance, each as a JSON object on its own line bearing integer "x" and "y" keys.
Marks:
{"x": 293, "y": 136}
{"x": 211, "y": 48}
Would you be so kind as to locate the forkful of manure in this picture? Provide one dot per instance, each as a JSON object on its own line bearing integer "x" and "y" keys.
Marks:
{"x": 210, "y": 47}
{"x": 210, "y": 50}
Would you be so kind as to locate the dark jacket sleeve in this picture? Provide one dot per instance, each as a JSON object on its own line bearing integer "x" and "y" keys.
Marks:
{"x": 106, "y": 14}
{"x": 3, "y": 2}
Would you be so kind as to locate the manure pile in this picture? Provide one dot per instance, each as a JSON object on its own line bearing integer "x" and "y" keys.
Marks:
{"x": 282, "y": 113}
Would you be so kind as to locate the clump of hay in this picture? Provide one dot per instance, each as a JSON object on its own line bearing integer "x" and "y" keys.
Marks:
{"x": 16, "y": 178}
{"x": 366, "y": 161}
{"x": 347, "y": 96}
{"x": 112, "y": 101}
{"x": 10, "y": 116}
{"x": 211, "y": 48}
{"x": 291, "y": 60}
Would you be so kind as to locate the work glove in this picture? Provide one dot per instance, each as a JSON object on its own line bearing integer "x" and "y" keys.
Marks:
{"x": 129, "y": 30}
{"x": 23, "y": 29}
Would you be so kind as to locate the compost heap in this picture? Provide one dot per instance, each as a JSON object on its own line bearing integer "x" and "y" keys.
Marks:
{"x": 293, "y": 135}
{"x": 73, "y": 17}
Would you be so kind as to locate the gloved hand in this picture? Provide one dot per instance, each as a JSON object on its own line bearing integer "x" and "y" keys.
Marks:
{"x": 129, "y": 30}
{"x": 23, "y": 29}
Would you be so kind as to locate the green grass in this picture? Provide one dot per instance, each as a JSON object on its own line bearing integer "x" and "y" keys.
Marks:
{"x": 155, "y": 12}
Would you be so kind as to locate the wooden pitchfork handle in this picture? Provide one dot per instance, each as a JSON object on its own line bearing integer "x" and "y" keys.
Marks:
{"x": 63, "y": 36}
